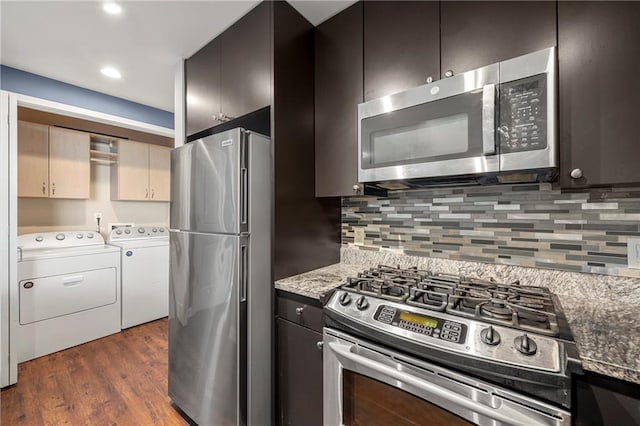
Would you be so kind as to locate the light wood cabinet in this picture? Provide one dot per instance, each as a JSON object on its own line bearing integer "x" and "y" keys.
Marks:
{"x": 52, "y": 162}
{"x": 159, "y": 173}
{"x": 33, "y": 160}
{"x": 69, "y": 164}
{"x": 142, "y": 172}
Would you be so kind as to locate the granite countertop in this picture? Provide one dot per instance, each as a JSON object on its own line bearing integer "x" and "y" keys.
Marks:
{"x": 607, "y": 335}
{"x": 319, "y": 282}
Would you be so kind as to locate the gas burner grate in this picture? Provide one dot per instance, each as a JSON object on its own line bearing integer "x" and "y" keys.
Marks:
{"x": 378, "y": 287}
{"x": 526, "y": 308}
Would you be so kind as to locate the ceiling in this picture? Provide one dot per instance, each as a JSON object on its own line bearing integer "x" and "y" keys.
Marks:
{"x": 71, "y": 41}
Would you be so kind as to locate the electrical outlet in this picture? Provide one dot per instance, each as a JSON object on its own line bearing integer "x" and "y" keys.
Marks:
{"x": 97, "y": 216}
{"x": 633, "y": 253}
{"x": 358, "y": 237}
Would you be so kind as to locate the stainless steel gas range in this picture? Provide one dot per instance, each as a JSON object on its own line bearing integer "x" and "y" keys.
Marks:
{"x": 461, "y": 349}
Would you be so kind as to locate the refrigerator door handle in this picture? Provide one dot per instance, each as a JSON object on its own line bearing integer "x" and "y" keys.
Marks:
{"x": 243, "y": 273}
{"x": 244, "y": 182}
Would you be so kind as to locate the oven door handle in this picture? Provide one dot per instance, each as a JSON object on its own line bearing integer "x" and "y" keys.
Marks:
{"x": 501, "y": 413}
{"x": 489, "y": 119}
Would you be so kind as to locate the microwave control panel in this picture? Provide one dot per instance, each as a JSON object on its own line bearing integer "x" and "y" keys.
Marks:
{"x": 523, "y": 114}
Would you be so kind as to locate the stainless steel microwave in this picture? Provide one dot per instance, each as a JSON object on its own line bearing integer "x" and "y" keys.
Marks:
{"x": 497, "y": 122}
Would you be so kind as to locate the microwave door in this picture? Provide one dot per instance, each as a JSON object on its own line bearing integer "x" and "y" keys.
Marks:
{"x": 445, "y": 128}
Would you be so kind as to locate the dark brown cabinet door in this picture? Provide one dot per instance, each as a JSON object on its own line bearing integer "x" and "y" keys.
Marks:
{"x": 299, "y": 375}
{"x": 475, "y": 34}
{"x": 245, "y": 59}
{"x": 401, "y": 45}
{"x": 202, "y": 81}
{"x": 598, "y": 66}
{"x": 338, "y": 91}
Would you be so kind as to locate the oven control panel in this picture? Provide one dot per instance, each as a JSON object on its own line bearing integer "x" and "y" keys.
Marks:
{"x": 523, "y": 114}
{"x": 444, "y": 331}
{"x": 437, "y": 328}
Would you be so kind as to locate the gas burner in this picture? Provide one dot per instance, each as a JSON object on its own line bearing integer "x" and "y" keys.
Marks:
{"x": 383, "y": 288}
{"x": 526, "y": 308}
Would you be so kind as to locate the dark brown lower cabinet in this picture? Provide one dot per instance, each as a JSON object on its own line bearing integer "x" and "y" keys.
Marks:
{"x": 299, "y": 375}
{"x": 602, "y": 400}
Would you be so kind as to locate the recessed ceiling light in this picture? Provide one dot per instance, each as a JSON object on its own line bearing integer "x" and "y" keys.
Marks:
{"x": 111, "y": 72}
{"x": 112, "y": 8}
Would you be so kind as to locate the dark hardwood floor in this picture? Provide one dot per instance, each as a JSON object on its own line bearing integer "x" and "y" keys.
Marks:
{"x": 117, "y": 380}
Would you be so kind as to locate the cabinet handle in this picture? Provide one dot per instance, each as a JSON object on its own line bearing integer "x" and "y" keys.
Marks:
{"x": 53, "y": 188}
{"x": 576, "y": 173}
{"x": 356, "y": 188}
{"x": 429, "y": 79}
{"x": 299, "y": 310}
{"x": 224, "y": 118}
{"x": 146, "y": 193}
{"x": 448, "y": 73}
{"x": 214, "y": 117}
{"x": 152, "y": 192}
{"x": 320, "y": 345}
{"x": 44, "y": 188}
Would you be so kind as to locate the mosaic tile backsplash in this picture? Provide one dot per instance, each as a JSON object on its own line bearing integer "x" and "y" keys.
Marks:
{"x": 527, "y": 225}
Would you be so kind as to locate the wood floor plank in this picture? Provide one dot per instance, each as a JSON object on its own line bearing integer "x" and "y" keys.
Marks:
{"x": 118, "y": 380}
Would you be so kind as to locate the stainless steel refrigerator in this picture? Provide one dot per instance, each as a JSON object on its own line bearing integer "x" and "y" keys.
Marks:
{"x": 220, "y": 287}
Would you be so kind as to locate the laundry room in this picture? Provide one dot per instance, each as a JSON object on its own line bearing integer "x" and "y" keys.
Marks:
{"x": 90, "y": 203}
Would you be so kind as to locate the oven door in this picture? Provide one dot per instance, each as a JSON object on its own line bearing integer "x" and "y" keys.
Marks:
{"x": 365, "y": 384}
{"x": 440, "y": 129}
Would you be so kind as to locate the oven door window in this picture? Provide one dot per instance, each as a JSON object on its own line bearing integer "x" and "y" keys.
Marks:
{"x": 446, "y": 129}
{"x": 367, "y": 401}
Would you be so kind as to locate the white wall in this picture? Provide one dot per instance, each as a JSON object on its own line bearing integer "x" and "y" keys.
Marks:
{"x": 48, "y": 214}
{"x": 179, "y": 102}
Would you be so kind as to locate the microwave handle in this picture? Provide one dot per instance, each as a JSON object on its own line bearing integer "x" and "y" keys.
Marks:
{"x": 489, "y": 119}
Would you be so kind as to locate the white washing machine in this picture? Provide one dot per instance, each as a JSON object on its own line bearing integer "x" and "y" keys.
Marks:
{"x": 68, "y": 293}
{"x": 145, "y": 272}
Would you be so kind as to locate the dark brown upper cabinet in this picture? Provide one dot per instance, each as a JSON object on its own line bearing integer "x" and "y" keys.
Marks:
{"x": 230, "y": 76}
{"x": 338, "y": 91}
{"x": 245, "y": 57}
{"x": 475, "y": 34}
{"x": 202, "y": 77}
{"x": 401, "y": 45}
{"x": 598, "y": 66}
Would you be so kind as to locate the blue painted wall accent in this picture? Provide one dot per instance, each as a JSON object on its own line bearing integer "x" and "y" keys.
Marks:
{"x": 26, "y": 83}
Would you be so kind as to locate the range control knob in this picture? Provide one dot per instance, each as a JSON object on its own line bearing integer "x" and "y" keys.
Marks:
{"x": 89, "y": 235}
{"x": 362, "y": 303}
{"x": 39, "y": 238}
{"x": 525, "y": 345}
{"x": 127, "y": 231}
{"x": 154, "y": 230}
{"x": 60, "y": 237}
{"x": 161, "y": 229}
{"x": 490, "y": 336}
{"x": 141, "y": 230}
{"x": 344, "y": 299}
{"x": 79, "y": 236}
{"x": 118, "y": 232}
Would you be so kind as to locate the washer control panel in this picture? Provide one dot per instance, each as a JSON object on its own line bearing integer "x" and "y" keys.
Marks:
{"x": 44, "y": 240}
{"x": 136, "y": 232}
